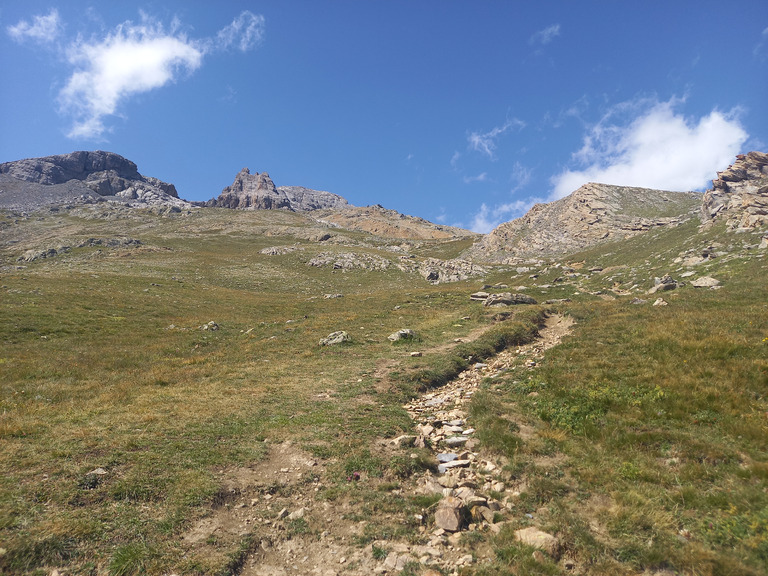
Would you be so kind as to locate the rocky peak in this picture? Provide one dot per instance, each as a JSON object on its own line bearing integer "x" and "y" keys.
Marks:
{"x": 739, "y": 194}
{"x": 258, "y": 192}
{"x": 80, "y": 165}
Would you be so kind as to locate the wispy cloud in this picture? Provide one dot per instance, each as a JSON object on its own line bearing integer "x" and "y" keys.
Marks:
{"x": 485, "y": 142}
{"x": 649, "y": 144}
{"x": 761, "y": 48}
{"x": 43, "y": 29}
{"x": 489, "y": 217}
{"x": 245, "y": 32}
{"x": 479, "y": 178}
{"x": 545, "y": 36}
{"x": 131, "y": 59}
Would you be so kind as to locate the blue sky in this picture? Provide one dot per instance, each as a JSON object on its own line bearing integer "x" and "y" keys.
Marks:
{"x": 463, "y": 113}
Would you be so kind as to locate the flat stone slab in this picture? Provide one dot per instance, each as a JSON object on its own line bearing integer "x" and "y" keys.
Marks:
{"x": 447, "y": 457}
{"x": 443, "y": 468}
{"x": 456, "y": 441}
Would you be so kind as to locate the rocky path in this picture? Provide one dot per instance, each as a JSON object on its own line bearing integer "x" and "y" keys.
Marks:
{"x": 301, "y": 535}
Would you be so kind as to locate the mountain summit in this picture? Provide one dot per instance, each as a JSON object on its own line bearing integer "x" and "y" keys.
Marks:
{"x": 258, "y": 192}
{"x": 80, "y": 177}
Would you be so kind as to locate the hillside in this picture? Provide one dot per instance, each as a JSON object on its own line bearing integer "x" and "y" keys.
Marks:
{"x": 593, "y": 214}
{"x": 172, "y": 401}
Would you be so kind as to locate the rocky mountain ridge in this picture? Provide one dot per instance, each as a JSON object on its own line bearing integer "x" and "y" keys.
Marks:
{"x": 592, "y": 214}
{"x": 81, "y": 177}
{"x": 258, "y": 192}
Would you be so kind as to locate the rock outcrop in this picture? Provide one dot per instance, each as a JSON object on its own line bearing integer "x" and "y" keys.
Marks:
{"x": 81, "y": 177}
{"x": 258, "y": 192}
{"x": 739, "y": 194}
{"x": 593, "y": 214}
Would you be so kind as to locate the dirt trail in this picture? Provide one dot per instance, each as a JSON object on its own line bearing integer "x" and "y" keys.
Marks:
{"x": 293, "y": 532}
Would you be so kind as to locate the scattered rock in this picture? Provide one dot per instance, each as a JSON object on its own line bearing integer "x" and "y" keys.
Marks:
{"x": 663, "y": 284}
{"x": 403, "y": 334}
{"x": 333, "y": 338}
{"x": 508, "y": 299}
{"x": 534, "y": 537}
{"x": 705, "y": 282}
{"x": 210, "y": 326}
{"x": 660, "y": 302}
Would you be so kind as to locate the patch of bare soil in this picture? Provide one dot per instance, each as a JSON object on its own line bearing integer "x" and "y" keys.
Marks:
{"x": 274, "y": 506}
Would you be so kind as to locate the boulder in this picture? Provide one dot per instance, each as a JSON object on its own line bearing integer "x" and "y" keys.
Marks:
{"x": 338, "y": 337}
{"x": 403, "y": 334}
{"x": 534, "y": 537}
{"x": 705, "y": 282}
{"x": 450, "y": 514}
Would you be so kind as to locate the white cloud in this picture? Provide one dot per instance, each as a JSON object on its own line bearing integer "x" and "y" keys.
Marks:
{"x": 131, "y": 60}
{"x": 245, "y": 32}
{"x": 479, "y": 178}
{"x": 520, "y": 176}
{"x": 487, "y": 218}
{"x": 546, "y": 35}
{"x": 138, "y": 58}
{"x": 486, "y": 143}
{"x": 655, "y": 147}
{"x": 43, "y": 29}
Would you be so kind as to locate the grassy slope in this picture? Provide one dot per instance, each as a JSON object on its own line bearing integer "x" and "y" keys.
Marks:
{"x": 655, "y": 418}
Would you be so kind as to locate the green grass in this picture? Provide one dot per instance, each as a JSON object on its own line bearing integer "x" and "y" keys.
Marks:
{"x": 659, "y": 416}
{"x": 653, "y": 419}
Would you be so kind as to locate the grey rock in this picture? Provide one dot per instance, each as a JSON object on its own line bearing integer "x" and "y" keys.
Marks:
{"x": 443, "y": 468}
{"x": 508, "y": 299}
{"x": 333, "y": 338}
{"x": 403, "y": 334}
{"x": 456, "y": 441}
